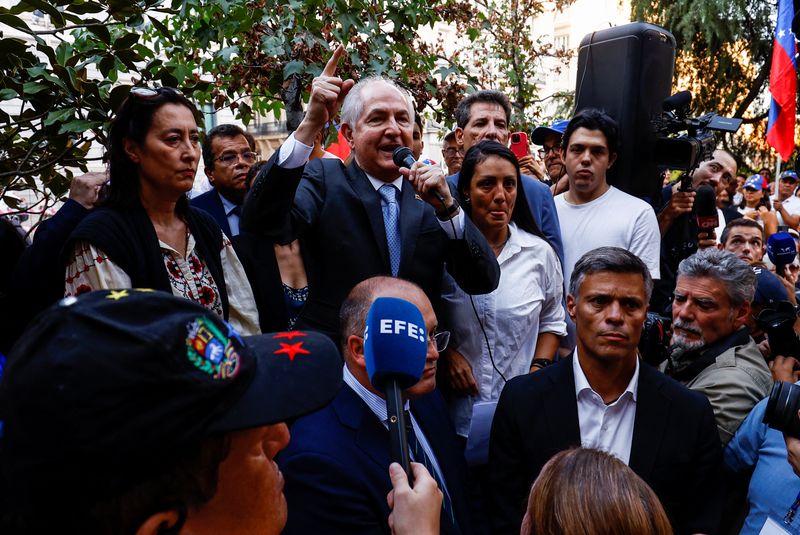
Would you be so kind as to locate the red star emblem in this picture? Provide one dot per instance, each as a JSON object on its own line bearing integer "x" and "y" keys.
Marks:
{"x": 289, "y": 335}
{"x": 292, "y": 350}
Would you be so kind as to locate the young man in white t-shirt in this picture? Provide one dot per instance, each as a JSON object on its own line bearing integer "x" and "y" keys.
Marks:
{"x": 593, "y": 213}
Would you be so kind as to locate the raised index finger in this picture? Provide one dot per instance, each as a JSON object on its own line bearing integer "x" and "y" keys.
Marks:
{"x": 330, "y": 67}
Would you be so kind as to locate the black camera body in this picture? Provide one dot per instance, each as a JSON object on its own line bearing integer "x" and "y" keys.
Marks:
{"x": 777, "y": 322}
{"x": 782, "y": 407}
{"x": 654, "y": 342}
{"x": 687, "y": 151}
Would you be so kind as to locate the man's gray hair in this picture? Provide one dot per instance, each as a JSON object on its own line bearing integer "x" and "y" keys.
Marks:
{"x": 724, "y": 266}
{"x": 353, "y": 104}
{"x": 609, "y": 259}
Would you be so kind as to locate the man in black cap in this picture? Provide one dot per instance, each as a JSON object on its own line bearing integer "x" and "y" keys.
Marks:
{"x": 133, "y": 411}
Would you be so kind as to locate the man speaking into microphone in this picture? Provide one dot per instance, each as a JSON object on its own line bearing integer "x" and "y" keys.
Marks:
{"x": 337, "y": 463}
{"x": 368, "y": 218}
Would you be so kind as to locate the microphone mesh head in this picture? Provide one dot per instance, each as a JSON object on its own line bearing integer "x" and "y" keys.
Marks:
{"x": 400, "y": 154}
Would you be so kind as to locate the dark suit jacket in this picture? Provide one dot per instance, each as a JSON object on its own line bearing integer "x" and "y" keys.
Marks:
{"x": 675, "y": 446}
{"x": 337, "y": 467}
{"x": 338, "y": 213}
{"x": 211, "y": 203}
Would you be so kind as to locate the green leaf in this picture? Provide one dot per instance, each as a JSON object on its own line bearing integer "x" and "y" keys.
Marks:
{"x": 293, "y": 67}
{"x": 59, "y": 116}
{"x": 125, "y": 41}
{"x": 45, "y": 7}
{"x": 15, "y": 22}
{"x": 32, "y": 88}
{"x": 8, "y": 94}
{"x": 102, "y": 33}
{"x": 78, "y": 125}
{"x": 227, "y": 52}
{"x": 117, "y": 95}
{"x": 162, "y": 29}
{"x": 84, "y": 7}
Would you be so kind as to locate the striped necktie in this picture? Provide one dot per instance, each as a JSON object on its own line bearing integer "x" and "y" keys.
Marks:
{"x": 391, "y": 220}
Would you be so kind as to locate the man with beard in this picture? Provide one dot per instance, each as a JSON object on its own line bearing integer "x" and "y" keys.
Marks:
{"x": 711, "y": 348}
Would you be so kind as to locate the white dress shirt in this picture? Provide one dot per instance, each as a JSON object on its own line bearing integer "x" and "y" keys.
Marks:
{"x": 606, "y": 427}
{"x": 378, "y": 407}
{"x": 527, "y": 302}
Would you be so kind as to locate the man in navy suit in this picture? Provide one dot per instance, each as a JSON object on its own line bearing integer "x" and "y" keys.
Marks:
{"x": 605, "y": 397}
{"x": 227, "y": 157}
{"x": 368, "y": 218}
{"x": 336, "y": 463}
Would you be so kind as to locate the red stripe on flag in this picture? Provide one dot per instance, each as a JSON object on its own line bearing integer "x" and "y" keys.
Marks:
{"x": 783, "y": 87}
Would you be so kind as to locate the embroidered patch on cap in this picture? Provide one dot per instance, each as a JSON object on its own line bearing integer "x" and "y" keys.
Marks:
{"x": 210, "y": 350}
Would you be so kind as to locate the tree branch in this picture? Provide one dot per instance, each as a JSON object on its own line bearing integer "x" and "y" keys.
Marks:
{"x": 56, "y": 31}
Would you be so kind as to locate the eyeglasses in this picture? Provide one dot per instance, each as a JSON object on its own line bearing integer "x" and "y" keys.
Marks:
{"x": 547, "y": 150}
{"x": 452, "y": 152}
{"x": 231, "y": 158}
{"x": 147, "y": 93}
{"x": 440, "y": 340}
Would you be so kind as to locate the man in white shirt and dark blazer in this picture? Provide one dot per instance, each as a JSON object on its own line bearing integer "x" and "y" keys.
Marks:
{"x": 605, "y": 397}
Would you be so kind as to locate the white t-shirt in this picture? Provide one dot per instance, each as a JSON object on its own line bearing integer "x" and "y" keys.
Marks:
{"x": 613, "y": 219}
{"x": 791, "y": 205}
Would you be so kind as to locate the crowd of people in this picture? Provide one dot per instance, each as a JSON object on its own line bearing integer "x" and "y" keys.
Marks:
{"x": 199, "y": 365}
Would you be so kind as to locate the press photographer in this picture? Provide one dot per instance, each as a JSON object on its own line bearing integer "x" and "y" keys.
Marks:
{"x": 686, "y": 222}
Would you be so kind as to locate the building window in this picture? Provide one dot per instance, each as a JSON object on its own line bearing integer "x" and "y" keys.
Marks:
{"x": 561, "y": 42}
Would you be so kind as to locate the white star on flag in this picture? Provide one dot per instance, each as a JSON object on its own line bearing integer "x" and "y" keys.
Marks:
{"x": 781, "y": 33}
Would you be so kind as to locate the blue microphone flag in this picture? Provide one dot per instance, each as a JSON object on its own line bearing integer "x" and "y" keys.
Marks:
{"x": 395, "y": 342}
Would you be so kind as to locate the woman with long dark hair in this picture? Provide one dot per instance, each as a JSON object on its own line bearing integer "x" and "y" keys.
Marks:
{"x": 516, "y": 328}
{"x": 145, "y": 235}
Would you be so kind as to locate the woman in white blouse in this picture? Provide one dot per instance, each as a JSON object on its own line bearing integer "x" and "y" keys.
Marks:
{"x": 515, "y": 329}
{"x": 145, "y": 235}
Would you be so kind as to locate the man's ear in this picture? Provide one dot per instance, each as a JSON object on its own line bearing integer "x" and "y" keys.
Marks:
{"x": 131, "y": 150}
{"x": 157, "y": 522}
{"x": 460, "y": 136}
{"x": 741, "y": 315}
{"x": 347, "y": 132}
{"x": 355, "y": 347}
{"x": 571, "y": 304}
{"x": 209, "y": 175}
{"x": 611, "y": 159}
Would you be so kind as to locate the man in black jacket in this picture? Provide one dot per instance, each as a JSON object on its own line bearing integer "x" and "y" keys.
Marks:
{"x": 369, "y": 218}
{"x": 605, "y": 397}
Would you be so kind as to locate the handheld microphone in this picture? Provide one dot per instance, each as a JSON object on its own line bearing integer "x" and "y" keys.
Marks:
{"x": 403, "y": 157}
{"x": 705, "y": 204}
{"x": 395, "y": 349}
{"x": 781, "y": 250}
{"x": 677, "y": 101}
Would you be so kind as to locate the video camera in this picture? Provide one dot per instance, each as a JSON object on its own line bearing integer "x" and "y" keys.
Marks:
{"x": 687, "y": 151}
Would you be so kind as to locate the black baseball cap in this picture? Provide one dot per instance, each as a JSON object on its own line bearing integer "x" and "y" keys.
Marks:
{"x": 109, "y": 388}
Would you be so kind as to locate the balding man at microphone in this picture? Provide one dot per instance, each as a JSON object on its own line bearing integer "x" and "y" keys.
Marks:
{"x": 368, "y": 218}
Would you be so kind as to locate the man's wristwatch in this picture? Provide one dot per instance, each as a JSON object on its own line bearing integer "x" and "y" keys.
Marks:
{"x": 541, "y": 363}
{"x": 448, "y": 213}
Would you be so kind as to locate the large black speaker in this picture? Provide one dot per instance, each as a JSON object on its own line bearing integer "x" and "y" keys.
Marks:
{"x": 627, "y": 71}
